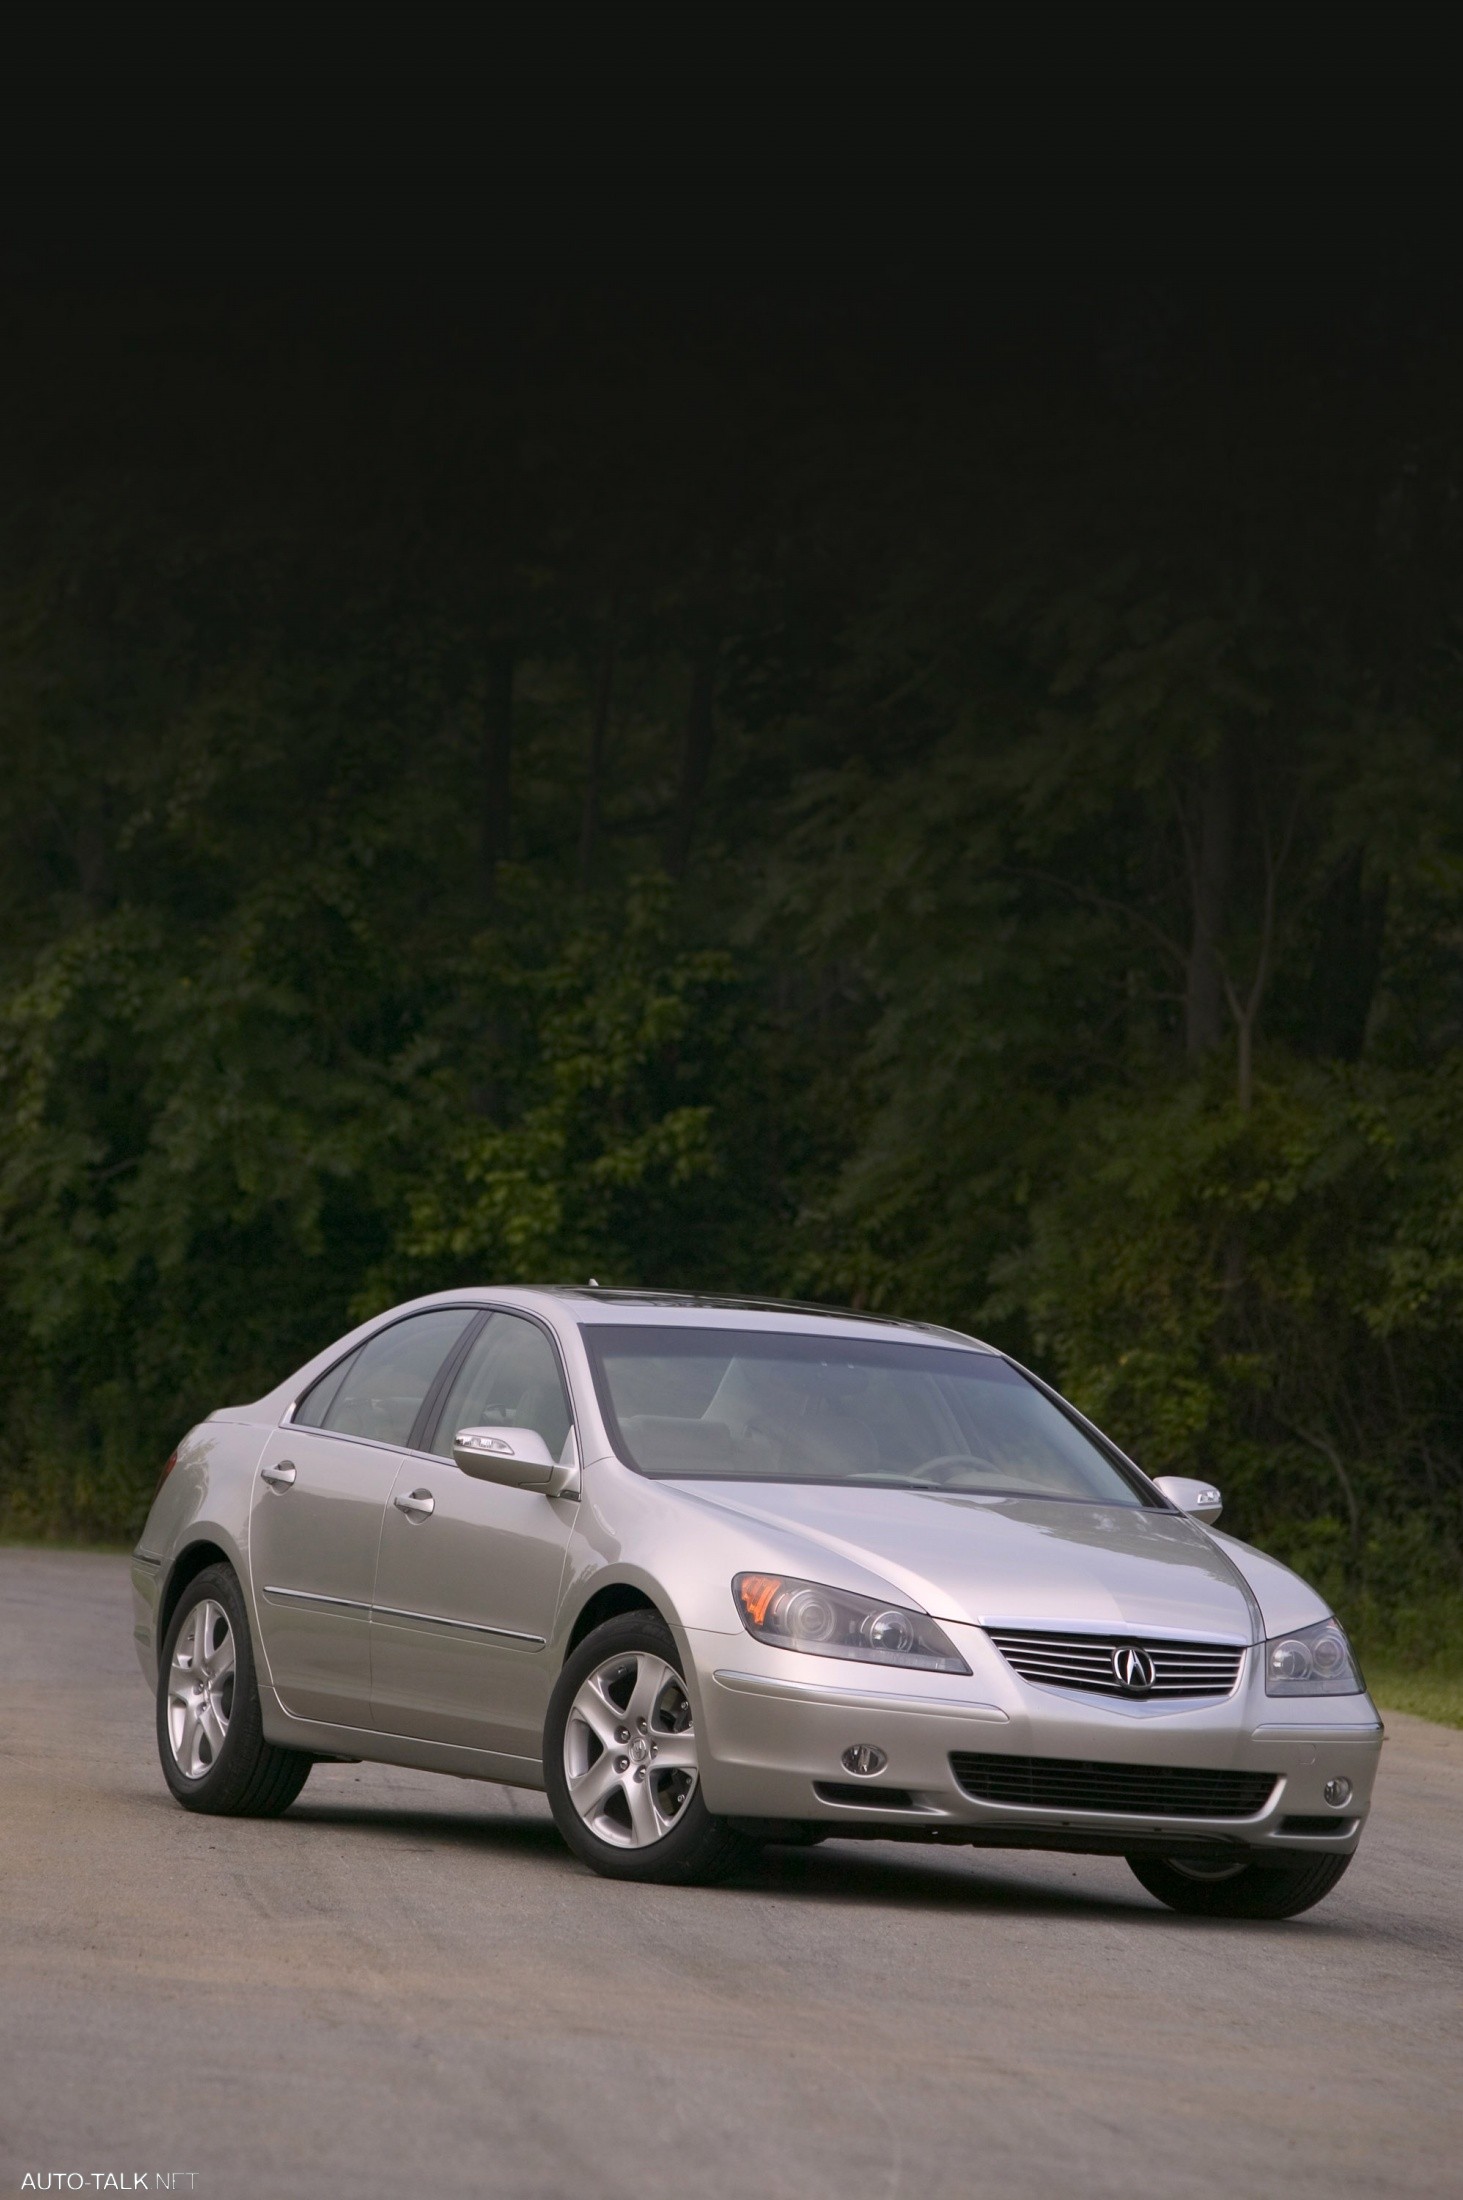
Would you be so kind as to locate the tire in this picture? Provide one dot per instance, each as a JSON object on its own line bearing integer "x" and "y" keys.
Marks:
{"x": 1279, "y": 1887}
{"x": 210, "y": 1733}
{"x": 620, "y": 1762}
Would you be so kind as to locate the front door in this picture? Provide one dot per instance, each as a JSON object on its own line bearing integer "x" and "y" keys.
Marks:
{"x": 320, "y": 1493}
{"x": 469, "y": 1574}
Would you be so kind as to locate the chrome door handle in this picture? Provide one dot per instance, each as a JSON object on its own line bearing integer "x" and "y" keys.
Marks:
{"x": 280, "y": 1476}
{"x": 419, "y": 1505}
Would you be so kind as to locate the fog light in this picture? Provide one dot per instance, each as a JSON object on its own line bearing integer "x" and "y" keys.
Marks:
{"x": 1337, "y": 1792}
{"x": 863, "y": 1758}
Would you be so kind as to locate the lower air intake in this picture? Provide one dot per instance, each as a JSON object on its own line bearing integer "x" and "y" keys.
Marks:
{"x": 1134, "y": 1791}
{"x": 864, "y": 1798}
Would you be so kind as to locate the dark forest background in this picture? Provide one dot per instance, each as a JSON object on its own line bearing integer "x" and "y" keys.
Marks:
{"x": 911, "y": 796}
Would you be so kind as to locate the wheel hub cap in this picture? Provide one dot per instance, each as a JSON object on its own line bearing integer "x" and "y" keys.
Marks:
{"x": 200, "y": 1689}
{"x": 630, "y": 1750}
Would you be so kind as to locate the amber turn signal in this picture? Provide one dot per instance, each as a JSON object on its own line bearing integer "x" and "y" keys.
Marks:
{"x": 756, "y": 1592}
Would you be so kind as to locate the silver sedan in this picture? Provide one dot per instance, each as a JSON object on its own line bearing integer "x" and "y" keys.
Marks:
{"x": 715, "y": 1573}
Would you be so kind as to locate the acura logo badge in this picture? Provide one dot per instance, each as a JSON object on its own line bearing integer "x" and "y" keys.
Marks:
{"x": 1133, "y": 1668}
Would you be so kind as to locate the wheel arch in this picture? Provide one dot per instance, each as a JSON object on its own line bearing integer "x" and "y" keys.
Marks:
{"x": 608, "y": 1602}
{"x": 190, "y": 1562}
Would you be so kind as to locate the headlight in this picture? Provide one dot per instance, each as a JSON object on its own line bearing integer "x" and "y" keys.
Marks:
{"x": 1314, "y": 1661}
{"x": 803, "y": 1615}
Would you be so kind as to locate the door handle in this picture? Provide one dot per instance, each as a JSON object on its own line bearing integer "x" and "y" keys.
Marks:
{"x": 280, "y": 1476}
{"x": 419, "y": 1505}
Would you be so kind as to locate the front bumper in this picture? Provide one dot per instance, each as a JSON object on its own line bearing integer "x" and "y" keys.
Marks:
{"x": 775, "y": 1725}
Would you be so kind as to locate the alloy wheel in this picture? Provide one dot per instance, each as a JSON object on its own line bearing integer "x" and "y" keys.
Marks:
{"x": 630, "y": 1750}
{"x": 201, "y": 1689}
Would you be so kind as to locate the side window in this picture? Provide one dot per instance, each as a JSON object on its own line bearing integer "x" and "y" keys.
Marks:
{"x": 510, "y": 1379}
{"x": 313, "y": 1407}
{"x": 380, "y": 1390}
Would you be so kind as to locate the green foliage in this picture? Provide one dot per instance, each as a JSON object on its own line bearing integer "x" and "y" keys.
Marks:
{"x": 615, "y": 1037}
{"x": 1221, "y": 1285}
{"x": 996, "y": 862}
{"x": 204, "y": 1171}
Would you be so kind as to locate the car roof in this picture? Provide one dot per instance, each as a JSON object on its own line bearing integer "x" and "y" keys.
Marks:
{"x": 597, "y": 1303}
{"x": 606, "y": 1303}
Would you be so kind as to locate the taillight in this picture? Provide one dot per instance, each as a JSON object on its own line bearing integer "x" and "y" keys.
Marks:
{"x": 168, "y": 1465}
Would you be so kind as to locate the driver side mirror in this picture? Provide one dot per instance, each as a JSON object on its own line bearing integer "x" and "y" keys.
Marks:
{"x": 1201, "y": 1500}
{"x": 517, "y": 1457}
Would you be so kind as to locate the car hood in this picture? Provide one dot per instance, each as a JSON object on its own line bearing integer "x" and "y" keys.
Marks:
{"x": 1017, "y": 1561}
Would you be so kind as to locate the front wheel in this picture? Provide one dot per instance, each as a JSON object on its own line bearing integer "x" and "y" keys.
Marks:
{"x": 210, "y": 1733}
{"x": 1266, "y": 1887}
{"x": 620, "y": 1761}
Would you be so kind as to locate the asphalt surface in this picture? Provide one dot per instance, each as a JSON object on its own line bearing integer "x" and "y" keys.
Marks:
{"x": 408, "y": 1986}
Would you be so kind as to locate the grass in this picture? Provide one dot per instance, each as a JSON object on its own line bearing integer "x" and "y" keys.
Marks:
{"x": 1436, "y": 1695}
{"x": 17, "y": 1541}
{"x": 1412, "y": 1655}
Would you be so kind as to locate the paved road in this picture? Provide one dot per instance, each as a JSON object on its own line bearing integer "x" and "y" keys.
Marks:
{"x": 407, "y": 1986}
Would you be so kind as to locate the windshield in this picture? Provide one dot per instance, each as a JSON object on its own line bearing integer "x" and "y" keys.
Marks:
{"x": 765, "y": 1406}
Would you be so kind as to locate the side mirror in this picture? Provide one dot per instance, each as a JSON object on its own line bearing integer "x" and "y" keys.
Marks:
{"x": 516, "y": 1457}
{"x": 1200, "y": 1499}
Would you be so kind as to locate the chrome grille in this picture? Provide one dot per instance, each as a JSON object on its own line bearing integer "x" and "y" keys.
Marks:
{"x": 1088, "y": 1661}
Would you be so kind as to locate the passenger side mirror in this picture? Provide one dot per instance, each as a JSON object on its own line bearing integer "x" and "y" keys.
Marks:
{"x": 1201, "y": 1500}
{"x": 518, "y": 1457}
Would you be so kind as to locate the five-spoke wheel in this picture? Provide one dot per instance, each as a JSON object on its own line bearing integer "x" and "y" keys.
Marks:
{"x": 210, "y": 1729}
{"x": 201, "y": 1678}
{"x": 630, "y": 1749}
{"x": 620, "y": 1760}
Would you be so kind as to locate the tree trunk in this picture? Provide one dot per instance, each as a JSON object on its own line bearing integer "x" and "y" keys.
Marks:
{"x": 1210, "y": 866}
{"x": 598, "y": 730}
{"x": 1245, "y": 1063}
{"x": 695, "y": 759}
{"x": 1348, "y": 962}
{"x": 497, "y": 785}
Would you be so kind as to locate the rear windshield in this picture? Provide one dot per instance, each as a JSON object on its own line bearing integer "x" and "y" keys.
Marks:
{"x": 734, "y": 1405}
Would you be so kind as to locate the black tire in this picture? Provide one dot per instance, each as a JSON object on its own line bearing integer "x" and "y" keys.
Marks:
{"x": 699, "y": 1849}
{"x": 1269, "y": 1887}
{"x": 248, "y": 1777}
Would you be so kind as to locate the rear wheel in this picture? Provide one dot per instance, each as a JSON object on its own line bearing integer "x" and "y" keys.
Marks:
{"x": 1264, "y": 1887}
{"x": 210, "y": 1734}
{"x": 621, "y": 1766}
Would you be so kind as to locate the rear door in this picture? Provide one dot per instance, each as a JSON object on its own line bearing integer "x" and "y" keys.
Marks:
{"x": 320, "y": 1493}
{"x": 469, "y": 1574}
